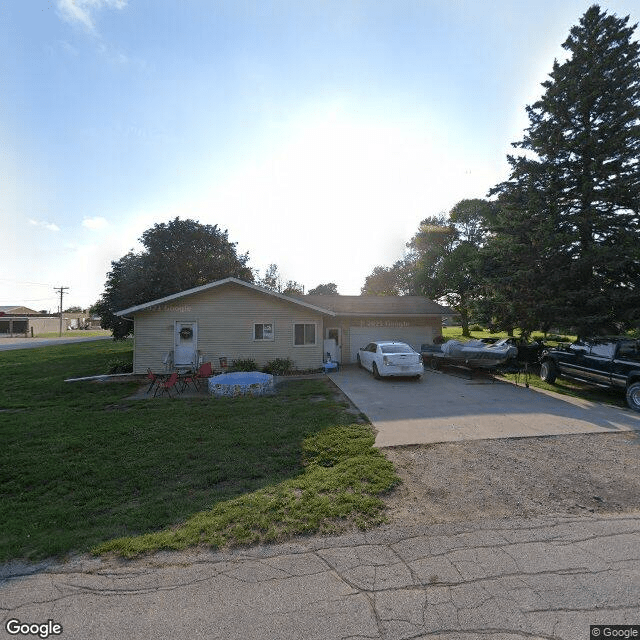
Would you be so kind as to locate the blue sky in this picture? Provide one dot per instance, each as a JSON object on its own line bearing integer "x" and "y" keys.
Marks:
{"x": 318, "y": 133}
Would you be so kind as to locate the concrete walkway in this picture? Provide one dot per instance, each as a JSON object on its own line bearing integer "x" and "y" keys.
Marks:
{"x": 446, "y": 408}
{"x": 505, "y": 580}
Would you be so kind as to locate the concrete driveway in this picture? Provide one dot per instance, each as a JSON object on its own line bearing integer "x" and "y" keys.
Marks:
{"x": 445, "y": 408}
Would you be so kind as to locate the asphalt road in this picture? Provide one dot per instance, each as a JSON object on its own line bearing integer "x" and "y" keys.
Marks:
{"x": 505, "y": 580}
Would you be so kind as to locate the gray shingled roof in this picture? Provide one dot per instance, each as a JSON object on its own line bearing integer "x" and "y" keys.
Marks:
{"x": 377, "y": 305}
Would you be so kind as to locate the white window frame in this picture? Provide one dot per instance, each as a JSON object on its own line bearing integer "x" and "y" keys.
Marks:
{"x": 315, "y": 333}
{"x": 253, "y": 331}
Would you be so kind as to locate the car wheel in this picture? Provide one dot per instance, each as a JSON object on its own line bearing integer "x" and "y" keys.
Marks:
{"x": 633, "y": 396}
{"x": 374, "y": 370}
{"x": 359, "y": 361}
{"x": 548, "y": 371}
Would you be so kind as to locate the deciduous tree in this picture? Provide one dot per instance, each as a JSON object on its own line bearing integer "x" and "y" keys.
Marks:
{"x": 328, "y": 289}
{"x": 177, "y": 255}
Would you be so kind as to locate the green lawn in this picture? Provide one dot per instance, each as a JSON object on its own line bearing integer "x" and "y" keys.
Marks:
{"x": 82, "y": 467}
{"x": 78, "y": 333}
{"x": 455, "y": 333}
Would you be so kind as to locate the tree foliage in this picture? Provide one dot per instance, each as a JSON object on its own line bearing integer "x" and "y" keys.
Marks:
{"x": 446, "y": 254}
{"x": 328, "y": 289}
{"x": 396, "y": 280}
{"x": 293, "y": 288}
{"x": 567, "y": 241}
{"x": 177, "y": 255}
{"x": 271, "y": 279}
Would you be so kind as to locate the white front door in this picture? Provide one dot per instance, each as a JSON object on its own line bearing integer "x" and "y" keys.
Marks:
{"x": 186, "y": 344}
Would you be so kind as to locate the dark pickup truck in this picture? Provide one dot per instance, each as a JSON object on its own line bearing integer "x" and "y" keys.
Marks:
{"x": 606, "y": 362}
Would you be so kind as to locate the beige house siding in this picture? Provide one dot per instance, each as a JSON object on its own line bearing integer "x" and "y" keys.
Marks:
{"x": 225, "y": 317}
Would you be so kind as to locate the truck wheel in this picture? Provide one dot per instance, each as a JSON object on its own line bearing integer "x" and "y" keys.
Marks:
{"x": 548, "y": 371}
{"x": 633, "y": 396}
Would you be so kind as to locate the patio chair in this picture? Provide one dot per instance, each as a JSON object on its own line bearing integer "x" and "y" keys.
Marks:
{"x": 167, "y": 385}
{"x": 155, "y": 379}
{"x": 205, "y": 371}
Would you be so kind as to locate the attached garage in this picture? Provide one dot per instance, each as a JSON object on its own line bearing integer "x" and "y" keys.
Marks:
{"x": 414, "y": 336}
{"x": 359, "y": 320}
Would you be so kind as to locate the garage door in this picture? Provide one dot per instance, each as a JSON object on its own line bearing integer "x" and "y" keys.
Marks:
{"x": 361, "y": 336}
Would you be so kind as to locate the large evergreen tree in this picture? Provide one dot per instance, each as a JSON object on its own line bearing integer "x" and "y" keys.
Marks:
{"x": 575, "y": 196}
{"x": 178, "y": 255}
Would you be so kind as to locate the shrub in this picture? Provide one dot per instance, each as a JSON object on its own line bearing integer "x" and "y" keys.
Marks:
{"x": 476, "y": 327}
{"x": 120, "y": 366}
{"x": 244, "y": 364}
{"x": 279, "y": 366}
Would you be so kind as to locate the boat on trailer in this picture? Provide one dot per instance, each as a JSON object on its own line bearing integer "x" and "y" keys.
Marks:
{"x": 474, "y": 354}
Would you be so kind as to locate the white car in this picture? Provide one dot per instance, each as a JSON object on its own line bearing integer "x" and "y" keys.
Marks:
{"x": 390, "y": 359}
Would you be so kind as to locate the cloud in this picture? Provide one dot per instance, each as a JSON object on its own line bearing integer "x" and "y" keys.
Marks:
{"x": 95, "y": 223}
{"x": 81, "y": 11}
{"x": 51, "y": 226}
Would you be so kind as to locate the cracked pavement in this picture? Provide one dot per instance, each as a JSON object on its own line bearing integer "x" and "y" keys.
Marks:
{"x": 504, "y": 579}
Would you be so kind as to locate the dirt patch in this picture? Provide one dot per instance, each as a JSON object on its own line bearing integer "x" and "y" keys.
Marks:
{"x": 526, "y": 477}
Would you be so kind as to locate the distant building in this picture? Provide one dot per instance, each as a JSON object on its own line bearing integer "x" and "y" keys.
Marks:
{"x": 17, "y": 310}
{"x": 20, "y": 321}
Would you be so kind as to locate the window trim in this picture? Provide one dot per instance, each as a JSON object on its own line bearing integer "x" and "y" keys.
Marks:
{"x": 253, "y": 332}
{"x": 315, "y": 333}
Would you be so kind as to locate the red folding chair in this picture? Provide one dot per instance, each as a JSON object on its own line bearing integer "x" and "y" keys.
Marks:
{"x": 155, "y": 380}
{"x": 205, "y": 371}
{"x": 167, "y": 385}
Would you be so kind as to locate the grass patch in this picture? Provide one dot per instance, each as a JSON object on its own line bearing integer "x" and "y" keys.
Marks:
{"x": 455, "y": 333}
{"x": 574, "y": 388}
{"x": 75, "y": 333}
{"x": 82, "y": 467}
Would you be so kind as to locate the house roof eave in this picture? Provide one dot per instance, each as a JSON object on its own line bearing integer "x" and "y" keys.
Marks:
{"x": 213, "y": 285}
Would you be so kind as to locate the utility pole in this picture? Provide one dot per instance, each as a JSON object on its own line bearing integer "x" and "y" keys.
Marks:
{"x": 61, "y": 291}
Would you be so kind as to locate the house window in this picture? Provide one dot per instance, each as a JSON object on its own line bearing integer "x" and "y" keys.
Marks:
{"x": 304, "y": 334}
{"x": 263, "y": 331}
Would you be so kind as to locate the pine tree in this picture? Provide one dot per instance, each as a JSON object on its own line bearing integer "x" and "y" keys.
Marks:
{"x": 581, "y": 179}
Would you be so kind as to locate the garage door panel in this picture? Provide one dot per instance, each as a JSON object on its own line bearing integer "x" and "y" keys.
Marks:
{"x": 362, "y": 336}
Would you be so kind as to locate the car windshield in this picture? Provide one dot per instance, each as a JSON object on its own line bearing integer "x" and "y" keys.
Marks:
{"x": 396, "y": 348}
